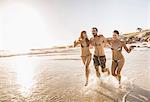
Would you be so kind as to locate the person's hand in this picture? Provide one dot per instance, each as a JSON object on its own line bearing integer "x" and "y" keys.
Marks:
{"x": 79, "y": 39}
{"x": 75, "y": 41}
{"x": 131, "y": 47}
{"x": 92, "y": 39}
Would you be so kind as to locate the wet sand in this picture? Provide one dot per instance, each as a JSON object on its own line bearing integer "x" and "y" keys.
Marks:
{"x": 59, "y": 77}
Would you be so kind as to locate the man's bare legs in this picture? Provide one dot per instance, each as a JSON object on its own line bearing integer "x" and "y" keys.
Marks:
{"x": 103, "y": 65}
{"x": 97, "y": 71}
{"x": 106, "y": 70}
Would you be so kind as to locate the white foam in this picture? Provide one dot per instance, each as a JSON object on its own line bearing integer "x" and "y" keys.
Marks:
{"x": 113, "y": 82}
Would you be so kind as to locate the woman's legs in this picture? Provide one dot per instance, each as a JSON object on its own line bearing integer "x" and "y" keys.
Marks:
{"x": 86, "y": 60}
{"x": 120, "y": 66}
{"x": 87, "y": 69}
{"x": 83, "y": 59}
{"x": 114, "y": 67}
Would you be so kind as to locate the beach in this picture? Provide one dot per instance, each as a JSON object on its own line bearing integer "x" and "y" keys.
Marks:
{"x": 58, "y": 76}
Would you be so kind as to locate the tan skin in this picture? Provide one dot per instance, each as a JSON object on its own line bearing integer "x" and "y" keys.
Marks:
{"x": 117, "y": 56}
{"x": 85, "y": 53}
{"x": 99, "y": 42}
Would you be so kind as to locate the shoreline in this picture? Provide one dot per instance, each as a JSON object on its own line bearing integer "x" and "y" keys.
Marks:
{"x": 58, "y": 49}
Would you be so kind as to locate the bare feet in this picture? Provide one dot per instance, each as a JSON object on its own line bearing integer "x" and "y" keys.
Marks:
{"x": 120, "y": 86}
{"x": 86, "y": 83}
{"x": 98, "y": 74}
{"x": 118, "y": 77}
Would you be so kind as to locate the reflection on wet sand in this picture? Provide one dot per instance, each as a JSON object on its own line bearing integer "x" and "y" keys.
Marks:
{"x": 54, "y": 78}
{"x": 24, "y": 74}
{"x": 8, "y": 85}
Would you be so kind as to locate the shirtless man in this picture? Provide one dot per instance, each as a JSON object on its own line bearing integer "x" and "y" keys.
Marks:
{"x": 99, "y": 58}
{"x": 117, "y": 56}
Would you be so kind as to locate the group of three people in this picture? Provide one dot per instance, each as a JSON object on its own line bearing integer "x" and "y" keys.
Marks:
{"x": 100, "y": 42}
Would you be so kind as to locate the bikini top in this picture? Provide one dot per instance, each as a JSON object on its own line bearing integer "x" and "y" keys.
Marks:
{"x": 117, "y": 48}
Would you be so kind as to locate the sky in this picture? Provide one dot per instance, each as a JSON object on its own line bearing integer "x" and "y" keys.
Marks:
{"x": 26, "y": 24}
{"x": 148, "y": 17}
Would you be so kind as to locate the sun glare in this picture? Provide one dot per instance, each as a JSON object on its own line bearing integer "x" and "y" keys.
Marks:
{"x": 22, "y": 27}
{"x": 24, "y": 69}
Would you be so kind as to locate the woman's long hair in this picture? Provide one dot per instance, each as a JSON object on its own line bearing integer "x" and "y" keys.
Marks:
{"x": 87, "y": 40}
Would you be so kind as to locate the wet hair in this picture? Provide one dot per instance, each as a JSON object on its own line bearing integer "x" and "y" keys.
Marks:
{"x": 116, "y": 31}
{"x": 95, "y": 28}
{"x": 81, "y": 36}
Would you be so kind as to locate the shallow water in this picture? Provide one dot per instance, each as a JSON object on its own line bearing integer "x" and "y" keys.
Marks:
{"x": 59, "y": 77}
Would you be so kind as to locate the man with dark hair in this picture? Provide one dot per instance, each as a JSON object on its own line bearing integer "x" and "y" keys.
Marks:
{"x": 99, "y": 58}
{"x": 95, "y": 28}
{"x": 116, "y": 31}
